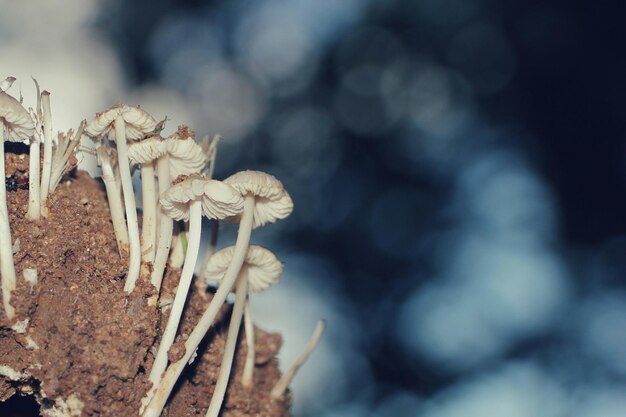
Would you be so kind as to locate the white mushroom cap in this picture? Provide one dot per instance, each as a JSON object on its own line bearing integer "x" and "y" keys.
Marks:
{"x": 19, "y": 125}
{"x": 147, "y": 150}
{"x": 272, "y": 200}
{"x": 221, "y": 200}
{"x": 264, "y": 269}
{"x": 218, "y": 199}
{"x": 185, "y": 154}
{"x": 138, "y": 122}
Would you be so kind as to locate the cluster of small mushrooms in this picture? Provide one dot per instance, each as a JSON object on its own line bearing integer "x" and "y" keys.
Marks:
{"x": 177, "y": 186}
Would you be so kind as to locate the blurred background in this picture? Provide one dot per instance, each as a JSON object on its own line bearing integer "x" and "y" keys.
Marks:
{"x": 458, "y": 169}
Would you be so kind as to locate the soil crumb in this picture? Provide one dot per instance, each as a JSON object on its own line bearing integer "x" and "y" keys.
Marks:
{"x": 84, "y": 348}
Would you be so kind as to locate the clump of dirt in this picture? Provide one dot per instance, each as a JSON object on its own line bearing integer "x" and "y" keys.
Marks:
{"x": 80, "y": 345}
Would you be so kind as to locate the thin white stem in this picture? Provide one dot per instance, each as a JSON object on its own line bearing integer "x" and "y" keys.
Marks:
{"x": 47, "y": 151}
{"x": 166, "y": 225}
{"x": 285, "y": 380}
{"x": 148, "y": 226}
{"x": 34, "y": 178}
{"x": 7, "y": 267}
{"x": 229, "y": 349}
{"x": 129, "y": 203}
{"x": 195, "y": 227}
{"x": 175, "y": 369}
{"x": 115, "y": 199}
{"x": 248, "y": 369}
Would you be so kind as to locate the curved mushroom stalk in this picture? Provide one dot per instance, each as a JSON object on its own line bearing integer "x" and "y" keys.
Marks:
{"x": 229, "y": 347}
{"x": 285, "y": 380}
{"x": 261, "y": 270}
{"x": 134, "y": 263}
{"x": 195, "y": 227}
{"x": 114, "y": 198}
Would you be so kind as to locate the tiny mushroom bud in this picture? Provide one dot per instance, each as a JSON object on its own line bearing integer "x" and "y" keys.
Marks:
{"x": 16, "y": 125}
{"x": 123, "y": 123}
{"x": 260, "y": 270}
{"x": 188, "y": 200}
{"x": 265, "y": 201}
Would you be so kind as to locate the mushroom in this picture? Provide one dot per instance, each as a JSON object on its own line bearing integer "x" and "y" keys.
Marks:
{"x": 182, "y": 157}
{"x": 188, "y": 201}
{"x": 186, "y": 155}
{"x": 17, "y": 126}
{"x": 186, "y": 158}
{"x": 285, "y": 380}
{"x": 123, "y": 123}
{"x": 145, "y": 153}
{"x": 265, "y": 201}
{"x": 260, "y": 270}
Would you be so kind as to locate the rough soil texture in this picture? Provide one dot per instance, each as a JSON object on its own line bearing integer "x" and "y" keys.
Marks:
{"x": 80, "y": 345}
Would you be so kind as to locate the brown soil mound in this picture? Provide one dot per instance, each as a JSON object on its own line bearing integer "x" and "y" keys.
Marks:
{"x": 79, "y": 345}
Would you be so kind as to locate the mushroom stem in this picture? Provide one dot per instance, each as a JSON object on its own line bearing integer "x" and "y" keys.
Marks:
{"x": 175, "y": 369}
{"x": 129, "y": 203}
{"x": 47, "y": 151}
{"x": 285, "y": 380}
{"x": 166, "y": 225}
{"x": 248, "y": 369}
{"x": 34, "y": 178}
{"x": 7, "y": 268}
{"x": 195, "y": 227}
{"x": 115, "y": 199}
{"x": 229, "y": 348}
{"x": 148, "y": 226}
